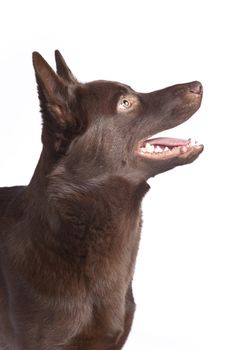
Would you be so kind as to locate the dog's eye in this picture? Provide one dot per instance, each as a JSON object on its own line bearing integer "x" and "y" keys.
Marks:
{"x": 126, "y": 103}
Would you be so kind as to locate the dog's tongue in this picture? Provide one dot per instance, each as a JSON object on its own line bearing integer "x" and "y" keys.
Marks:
{"x": 168, "y": 141}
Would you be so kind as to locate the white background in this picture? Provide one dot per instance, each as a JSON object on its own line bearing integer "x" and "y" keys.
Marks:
{"x": 183, "y": 282}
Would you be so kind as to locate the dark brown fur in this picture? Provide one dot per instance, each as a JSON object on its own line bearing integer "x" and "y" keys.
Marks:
{"x": 69, "y": 240}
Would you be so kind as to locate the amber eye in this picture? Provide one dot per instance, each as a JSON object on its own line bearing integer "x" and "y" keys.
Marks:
{"x": 126, "y": 103}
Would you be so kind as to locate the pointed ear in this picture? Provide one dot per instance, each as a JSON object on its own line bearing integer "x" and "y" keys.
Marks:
{"x": 62, "y": 68}
{"x": 46, "y": 77}
{"x": 53, "y": 92}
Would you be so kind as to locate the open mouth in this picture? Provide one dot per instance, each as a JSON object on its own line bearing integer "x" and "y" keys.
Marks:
{"x": 165, "y": 148}
{"x": 179, "y": 151}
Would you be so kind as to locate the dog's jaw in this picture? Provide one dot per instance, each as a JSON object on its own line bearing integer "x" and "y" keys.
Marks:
{"x": 155, "y": 159}
{"x": 157, "y": 149}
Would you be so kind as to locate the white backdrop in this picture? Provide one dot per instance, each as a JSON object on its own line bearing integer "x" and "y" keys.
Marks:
{"x": 183, "y": 282}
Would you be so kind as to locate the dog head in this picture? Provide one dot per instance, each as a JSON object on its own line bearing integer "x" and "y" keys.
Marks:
{"x": 104, "y": 128}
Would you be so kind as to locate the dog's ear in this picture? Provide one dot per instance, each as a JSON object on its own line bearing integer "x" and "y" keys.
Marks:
{"x": 62, "y": 68}
{"x": 61, "y": 113}
{"x": 53, "y": 91}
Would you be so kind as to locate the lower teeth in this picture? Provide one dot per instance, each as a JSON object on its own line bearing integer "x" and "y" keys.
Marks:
{"x": 148, "y": 148}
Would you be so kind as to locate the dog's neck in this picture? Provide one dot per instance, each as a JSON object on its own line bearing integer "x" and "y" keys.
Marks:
{"x": 36, "y": 191}
{"x": 91, "y": 212}
{"x": 46, "y": 163}
{"x": 52, "y": 186}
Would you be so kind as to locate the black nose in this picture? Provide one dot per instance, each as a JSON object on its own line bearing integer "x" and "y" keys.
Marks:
{"x": 196, "y": 88}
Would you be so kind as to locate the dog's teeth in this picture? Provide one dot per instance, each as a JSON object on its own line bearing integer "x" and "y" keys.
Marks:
{"x": 149, "y": 148}
{"x": 143, "y": 149}
{"x": 166, "y": 149}
{"x": 159, "y": 149}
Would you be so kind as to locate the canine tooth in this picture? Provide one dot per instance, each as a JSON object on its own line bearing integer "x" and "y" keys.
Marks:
{"x": 166, "y": 149}
{"x": 149, "y": 148}
{"x": 143, "y": 149}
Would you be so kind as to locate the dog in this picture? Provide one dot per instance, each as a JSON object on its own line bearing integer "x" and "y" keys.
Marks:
{"x": 69, "y": 240}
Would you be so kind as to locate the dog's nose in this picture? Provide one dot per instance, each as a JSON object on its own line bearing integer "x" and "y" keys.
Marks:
{"x": 196, "y": 87}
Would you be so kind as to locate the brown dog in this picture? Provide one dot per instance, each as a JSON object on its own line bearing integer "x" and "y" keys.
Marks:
{"x": 69, "y": 240}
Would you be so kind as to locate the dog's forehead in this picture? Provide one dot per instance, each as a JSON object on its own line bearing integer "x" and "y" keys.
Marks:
{"x": 106, "y": 87}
